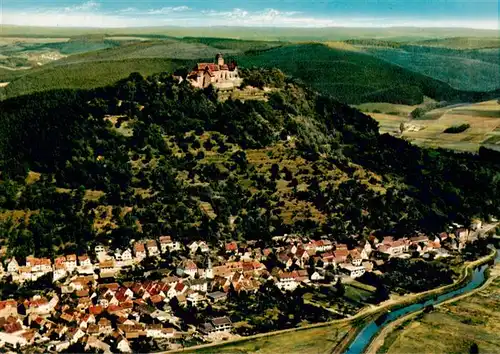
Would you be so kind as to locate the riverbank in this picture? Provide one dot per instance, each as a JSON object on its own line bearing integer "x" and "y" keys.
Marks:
{"x": 356, "y": 322}
{"x": 379, "y": 340}
{"x": 452, "y": 326}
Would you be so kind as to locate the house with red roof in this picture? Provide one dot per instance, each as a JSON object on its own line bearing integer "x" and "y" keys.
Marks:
{"x": 231, "y": 247}
{"x": 152, "y": 247}
{"x": 139, "y": 251}
{"x": 187, "y": 267}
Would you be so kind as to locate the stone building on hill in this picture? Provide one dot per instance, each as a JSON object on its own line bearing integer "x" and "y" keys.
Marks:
{"x": 219, "y": 74}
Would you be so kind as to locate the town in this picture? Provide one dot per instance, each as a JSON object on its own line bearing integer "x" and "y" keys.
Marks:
{"x": 107, "y": 300}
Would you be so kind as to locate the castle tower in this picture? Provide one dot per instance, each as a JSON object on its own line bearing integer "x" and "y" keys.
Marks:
{"x": 219, "y": 59}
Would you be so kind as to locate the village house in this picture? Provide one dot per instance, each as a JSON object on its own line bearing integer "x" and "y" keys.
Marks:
{"x": 59, "y": 272}
{"x": 25, "y": 274}
{"x": 13, "y": 266}
{"x": 219, "y": 74}
{"x": 317, "y": 276}
{"x": 231, "y": 247}
{"x": 462, "y": 234}
{"x": 139, "y": 251}
{"x": 195, "y": 299}
{"x": 42, "y": 265}
{"x": 340, "y": 255}
{"x": 288, "y": 281}
{"x": 393, "y": 248}
{"x": 108, "y": 268}
{"x": 123, "y": 345}
{"x": 99, "y": 249}
{"x": 84, "y": 261}
{"x": 166, "y": 243}
{"x": 124, "y": 257}
{"x": 217, "y": 296}
{"x": 201, "y": 245}
{"x": 219, "y": 324}
{"x": 187, "y": 267}
{"x": 354, "y": 257}
{"x": 8, "y": 308}
{"x": 152, "y": 248}
{"x": 420, "y": 240}
{"x": 323, "y": 245}
{"x": 70, "y": 263}
{"x": 352, "y": 271}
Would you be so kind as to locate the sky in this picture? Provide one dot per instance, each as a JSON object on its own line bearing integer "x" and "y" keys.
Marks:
{"x": 262, "y": 13}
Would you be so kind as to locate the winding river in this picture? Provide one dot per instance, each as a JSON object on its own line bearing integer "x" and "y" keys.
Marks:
{"x": 363, "y": 339}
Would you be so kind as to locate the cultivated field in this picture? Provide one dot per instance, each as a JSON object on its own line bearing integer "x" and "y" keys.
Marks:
{"x": 454, "y": 327}
{"x": 483, "y": 118}
{"x": 307, "y": 341}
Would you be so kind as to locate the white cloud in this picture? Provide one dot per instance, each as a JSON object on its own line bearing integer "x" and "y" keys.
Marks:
{"x": 86, "y": 6}
{"x": 128, "y": 10}
{"x": 168, "y": 10}
{"x": 90, "y": 14}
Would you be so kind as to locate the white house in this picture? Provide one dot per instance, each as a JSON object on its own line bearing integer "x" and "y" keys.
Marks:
{"x": 316, "y": 276}
{"x": 13, "y": 266}
{"x": 165, "y": 243}
{"x": 99, "y": 249}
{"x": 127, "y": 255}
{"x": 287, "y": 281}
{"x": 123, "y": 345}
{"x": 70, "y": 263}
{"x": 195, "y": 299}
{"x": 187, "y": 267}
{"x": 59, "y": 272}
{"x": 152, "y": 247}
{"x": 84, "y": 261}
{"x": 353, "y": 271}
{"x": 140, "y": 251}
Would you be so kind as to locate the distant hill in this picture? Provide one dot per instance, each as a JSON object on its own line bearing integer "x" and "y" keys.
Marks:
{"x": 463, "y": 69}
{"x": 85, "y": 75}
{"x": 261, "y": 33}
{"x": 461, "y": 42}
{"x": 349, "y": 76}
{"x": 355, "y": 77}
{"x": 95, "y": 68}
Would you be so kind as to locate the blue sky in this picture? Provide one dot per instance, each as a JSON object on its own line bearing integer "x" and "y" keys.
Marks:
{"x": 268, "y": 13}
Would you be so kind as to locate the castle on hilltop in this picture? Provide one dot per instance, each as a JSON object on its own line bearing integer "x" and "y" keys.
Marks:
{"x": 220, "y": 75}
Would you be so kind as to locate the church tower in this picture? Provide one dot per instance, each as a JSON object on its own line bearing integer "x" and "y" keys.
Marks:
{"x": 219, "y": 59}
{"x": 209, "y": 272}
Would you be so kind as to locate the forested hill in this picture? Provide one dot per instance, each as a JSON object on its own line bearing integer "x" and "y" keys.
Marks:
{"x": 151, "y": 157}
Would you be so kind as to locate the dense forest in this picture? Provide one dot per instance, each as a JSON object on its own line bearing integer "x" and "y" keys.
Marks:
{"x": 151, "y": 156}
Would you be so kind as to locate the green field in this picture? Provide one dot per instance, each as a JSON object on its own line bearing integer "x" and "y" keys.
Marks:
{"x": 483, "y": 118}
{"x": 306, "y": 341}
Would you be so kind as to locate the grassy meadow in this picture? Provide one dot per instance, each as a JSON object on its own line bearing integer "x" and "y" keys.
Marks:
{"x": 453, "y": 327}
{"x": 305, "y": 341}
{"x": 483, "y": 118}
